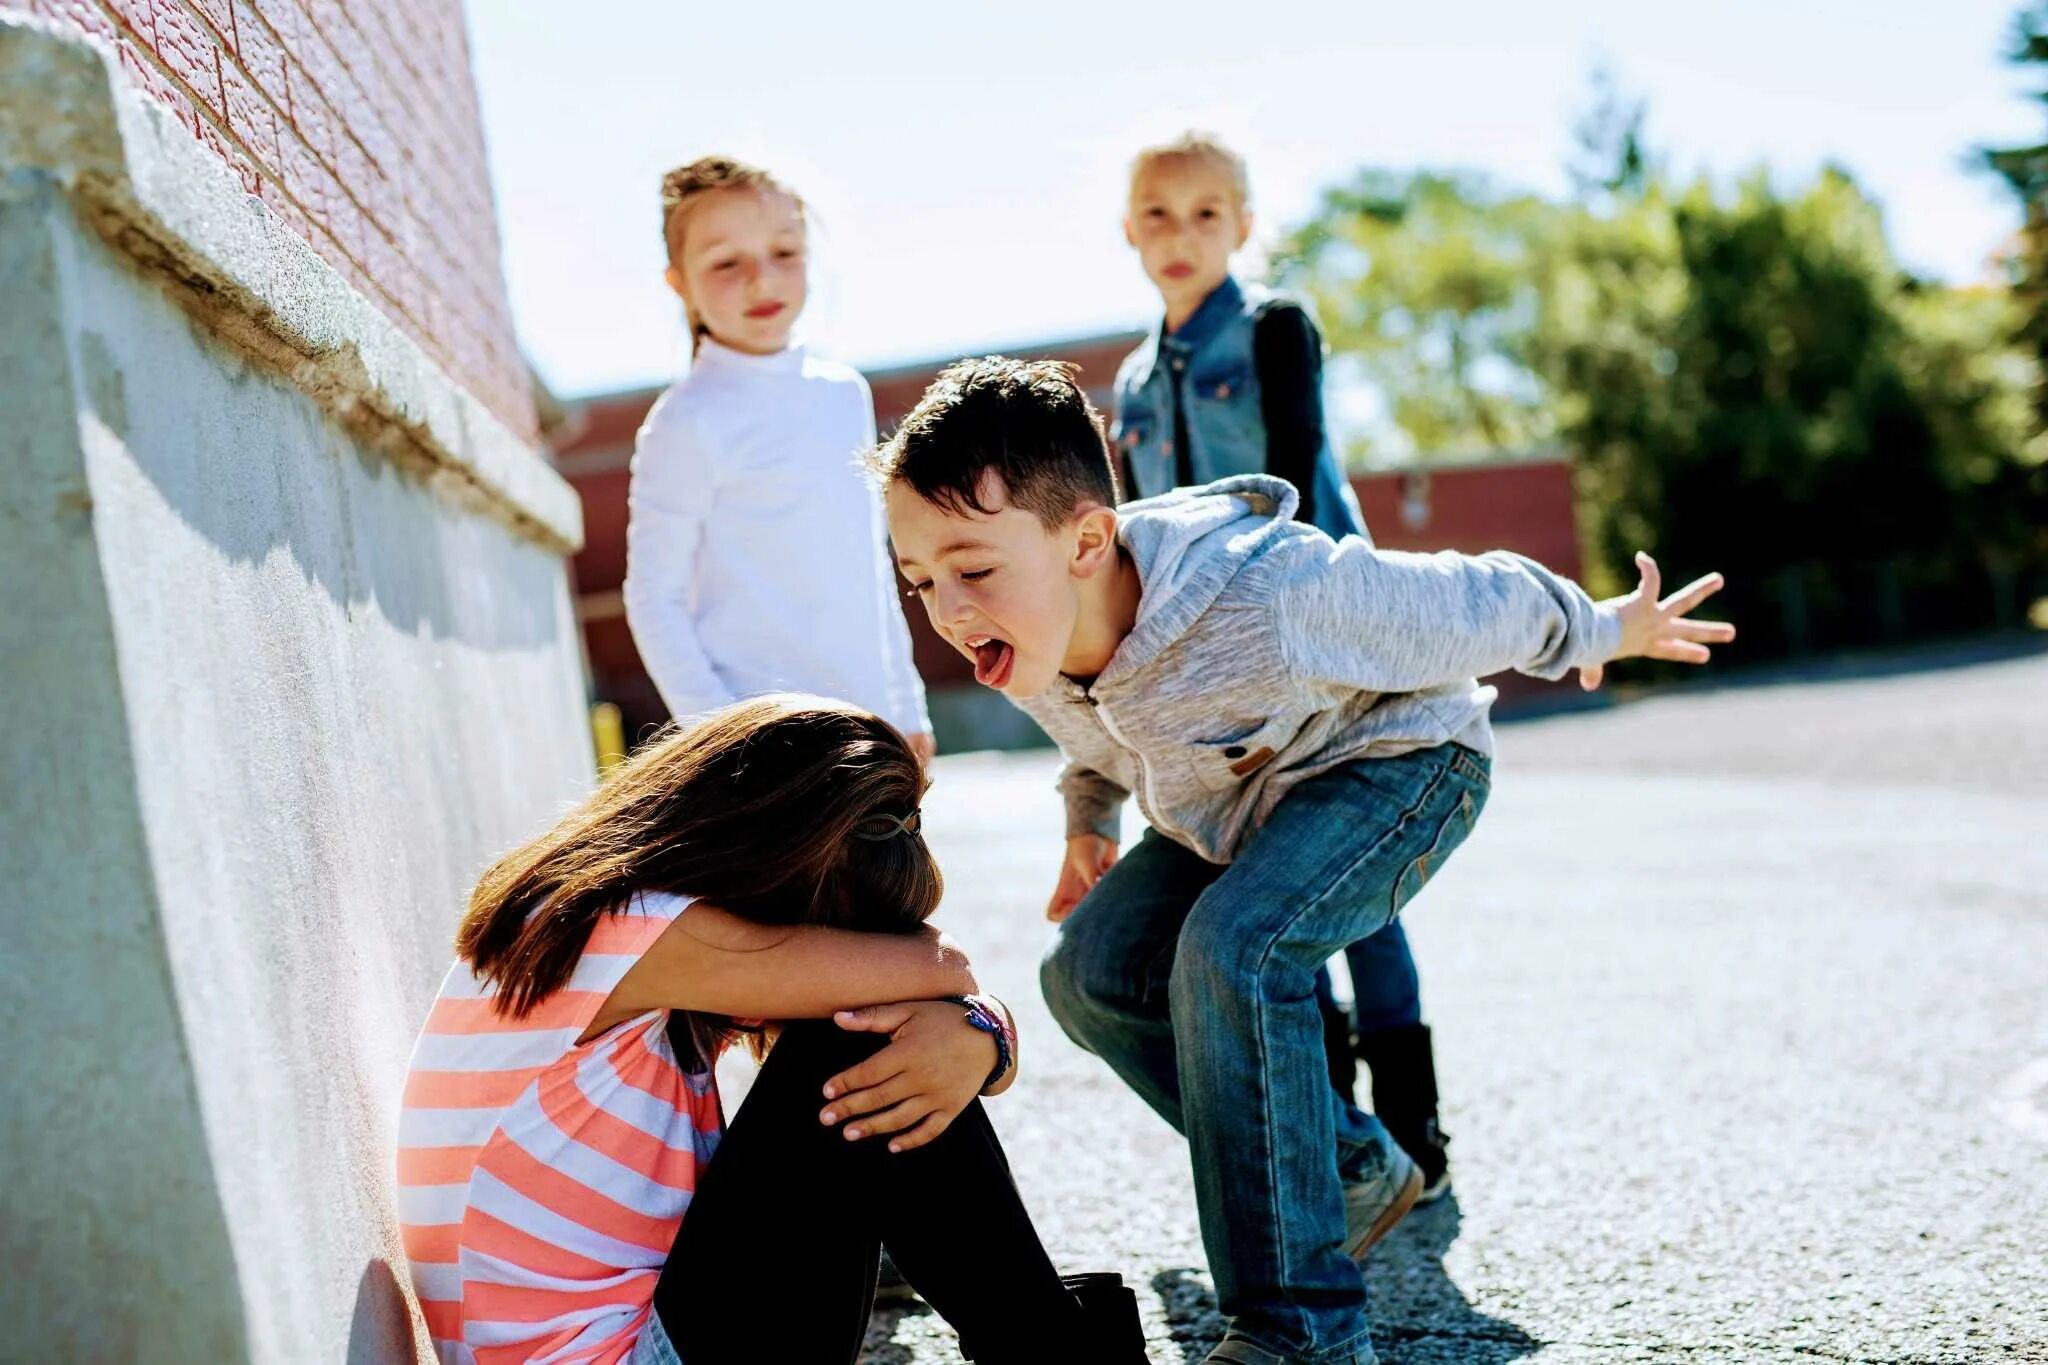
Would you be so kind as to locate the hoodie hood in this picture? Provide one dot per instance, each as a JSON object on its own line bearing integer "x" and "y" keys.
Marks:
{"x": 1187, "y": 545}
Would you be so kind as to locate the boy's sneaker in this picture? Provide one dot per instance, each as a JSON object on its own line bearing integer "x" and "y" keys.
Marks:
{"x": 1238, "y": 1350}
{"x": 1373, "y": 1204}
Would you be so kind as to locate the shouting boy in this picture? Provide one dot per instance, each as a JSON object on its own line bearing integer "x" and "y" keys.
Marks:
{"x": 1299, "y": 720}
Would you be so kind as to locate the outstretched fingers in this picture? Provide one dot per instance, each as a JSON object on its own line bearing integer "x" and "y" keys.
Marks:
{"x": 1652, "y": 576}
{"x": 1679, "y": 651}
{"x": 1709, "y": 632}
{"x": 1691, "y": 595}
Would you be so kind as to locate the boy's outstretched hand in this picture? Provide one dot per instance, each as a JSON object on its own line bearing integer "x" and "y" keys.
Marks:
{"x": 1088, "y": 857}
{"x": 1653, "y": 629}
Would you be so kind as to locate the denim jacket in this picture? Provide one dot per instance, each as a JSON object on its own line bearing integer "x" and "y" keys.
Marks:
{"x": 1226, "y": 427}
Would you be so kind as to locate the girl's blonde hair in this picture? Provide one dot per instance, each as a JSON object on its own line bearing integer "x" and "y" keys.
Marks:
{"x": 687, "y": 186}
{"x": 1205, "y": 148}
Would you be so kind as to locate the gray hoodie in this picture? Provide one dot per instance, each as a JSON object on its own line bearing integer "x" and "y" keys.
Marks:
{"x": 1265, "y": 653}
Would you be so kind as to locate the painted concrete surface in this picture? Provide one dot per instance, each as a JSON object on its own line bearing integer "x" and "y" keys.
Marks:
{"x": 1742, "y": 1011}
{"x": 281, "y": 674}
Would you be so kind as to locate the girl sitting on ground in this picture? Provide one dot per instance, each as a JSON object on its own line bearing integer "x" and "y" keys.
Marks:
{"x": 566, "y": 1186}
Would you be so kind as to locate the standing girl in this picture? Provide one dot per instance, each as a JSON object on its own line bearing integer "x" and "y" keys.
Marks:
{"x": 755, "y": 549}
{"x": 565, "y": 1190}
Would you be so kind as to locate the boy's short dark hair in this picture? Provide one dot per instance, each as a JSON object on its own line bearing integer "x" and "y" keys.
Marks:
{"x": 1026, "y": 421}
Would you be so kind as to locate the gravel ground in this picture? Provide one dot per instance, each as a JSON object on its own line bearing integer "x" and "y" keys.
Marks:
{"x": 1741, "y": 999}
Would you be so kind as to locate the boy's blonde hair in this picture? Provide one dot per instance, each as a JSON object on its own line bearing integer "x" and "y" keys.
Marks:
{"x": 1205, "y": 148}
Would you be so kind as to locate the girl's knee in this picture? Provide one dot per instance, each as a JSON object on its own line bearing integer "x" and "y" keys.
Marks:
{"x": 819, "y": 1048}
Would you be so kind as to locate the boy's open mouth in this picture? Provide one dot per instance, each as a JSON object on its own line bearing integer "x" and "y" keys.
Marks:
{"x": 993, "y": 659}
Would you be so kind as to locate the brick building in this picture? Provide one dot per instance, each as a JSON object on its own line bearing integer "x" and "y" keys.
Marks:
{"x": 358, "y": 126}
{"x": 1521, "y": 503}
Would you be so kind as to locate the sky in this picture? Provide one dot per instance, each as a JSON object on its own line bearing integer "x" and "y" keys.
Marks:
{"x": 964, "y": 162}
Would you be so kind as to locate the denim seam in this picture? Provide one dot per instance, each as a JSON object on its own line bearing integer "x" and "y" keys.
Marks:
{"x": 1259, "y": 1013}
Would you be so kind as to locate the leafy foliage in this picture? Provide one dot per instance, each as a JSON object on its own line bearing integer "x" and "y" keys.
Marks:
{"x": 1745, "y": 376}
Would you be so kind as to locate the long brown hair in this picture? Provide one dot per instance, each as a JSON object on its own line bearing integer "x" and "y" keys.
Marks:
{"x": 782, "y": 810}
{"x": 686, "y": 186}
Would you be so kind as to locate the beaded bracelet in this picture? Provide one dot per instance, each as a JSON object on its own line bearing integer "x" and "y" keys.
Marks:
{"x": 983, "y": 1014}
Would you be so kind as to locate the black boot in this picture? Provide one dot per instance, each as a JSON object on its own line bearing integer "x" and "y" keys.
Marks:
{"x": 1338, "y": 1050}
{"x": 1403, "y": 1067}
{"x": 1110, "y": 1310}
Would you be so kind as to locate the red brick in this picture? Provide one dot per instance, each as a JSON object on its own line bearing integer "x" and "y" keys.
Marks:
{"x": 316, "y": 55}
{"x": 351, "y": 44}
{"x": 311, "y": 114}
{"x": 283, "y": 16}
{"x": 261, "y": 55}
{"x": 251, "y": 120}
{"x": 138, "y": 17}
{"x": 381, "y": 260}
{"x": 345, "y": 221}
{"x": 220, "y": 14}
{"x": 88, "y": 17}
{"x": 305, "y": 179}
{"x": 142, "y": 72}
{"x": 187, "y": 50}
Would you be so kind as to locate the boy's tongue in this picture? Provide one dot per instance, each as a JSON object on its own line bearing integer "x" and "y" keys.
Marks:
{"x": 989, "y": 661}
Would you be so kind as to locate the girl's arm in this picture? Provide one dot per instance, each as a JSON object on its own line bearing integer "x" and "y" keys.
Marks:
{"x": 670, "y": 506}
{"x": 717, "y": 963}
{"x": 1287, "y": 353}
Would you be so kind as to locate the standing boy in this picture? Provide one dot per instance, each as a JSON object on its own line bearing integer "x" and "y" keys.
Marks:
{"x": 1231, "y": 382}
{"x": 1299, "y": 721}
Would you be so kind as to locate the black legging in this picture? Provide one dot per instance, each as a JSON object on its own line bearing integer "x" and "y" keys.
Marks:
{"x": 777, "y": 1254}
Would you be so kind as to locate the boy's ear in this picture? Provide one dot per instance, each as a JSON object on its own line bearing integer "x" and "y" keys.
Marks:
{"x": 1244, "y": 227}
{"x": 1130, "y": 234}
{"x": 675, "y": 282}
{"x": 1094, "y": 540}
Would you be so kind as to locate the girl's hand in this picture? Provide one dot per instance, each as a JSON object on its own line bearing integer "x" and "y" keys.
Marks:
{"x": 1088, "y": 857}
{"x": 1652, "y": 629}
{"x": 924, "y": 747}
{"x": 934, "y": 1066}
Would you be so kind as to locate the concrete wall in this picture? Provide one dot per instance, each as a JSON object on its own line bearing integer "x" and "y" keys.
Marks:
{"x": 289, "y": 653}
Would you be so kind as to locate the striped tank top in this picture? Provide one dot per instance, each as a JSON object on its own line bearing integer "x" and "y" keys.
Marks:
{"x": 541, "y": 1181}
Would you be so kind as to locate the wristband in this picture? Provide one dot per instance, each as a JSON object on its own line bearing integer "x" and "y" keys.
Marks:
{"x": 982, "y": 1014}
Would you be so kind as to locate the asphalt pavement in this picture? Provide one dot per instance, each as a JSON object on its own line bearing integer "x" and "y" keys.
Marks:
{"x": 1741, "y": 1002}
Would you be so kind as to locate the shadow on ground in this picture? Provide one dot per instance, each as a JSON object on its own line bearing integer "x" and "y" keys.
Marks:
{"x": 1420, "y": 1316}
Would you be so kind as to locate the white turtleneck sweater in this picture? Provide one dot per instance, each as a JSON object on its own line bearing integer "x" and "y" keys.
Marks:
{"x": 756, "y": 555}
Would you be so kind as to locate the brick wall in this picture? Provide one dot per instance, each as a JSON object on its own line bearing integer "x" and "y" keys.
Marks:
{"x": 358, "y": 125}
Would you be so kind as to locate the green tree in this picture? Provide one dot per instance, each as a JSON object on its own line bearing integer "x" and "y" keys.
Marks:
{"x": 1425, "y": 284}
{"x": 2025, "y": 172}
{"x": 1747, "y": 379}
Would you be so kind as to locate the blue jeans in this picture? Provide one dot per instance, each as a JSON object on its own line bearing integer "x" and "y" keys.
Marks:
{"x": 1386, "y": 993}
{"x": 1196, "y": 983}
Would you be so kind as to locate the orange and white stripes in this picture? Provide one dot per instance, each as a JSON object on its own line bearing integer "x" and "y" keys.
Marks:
{"x": 541, "y": 1182}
